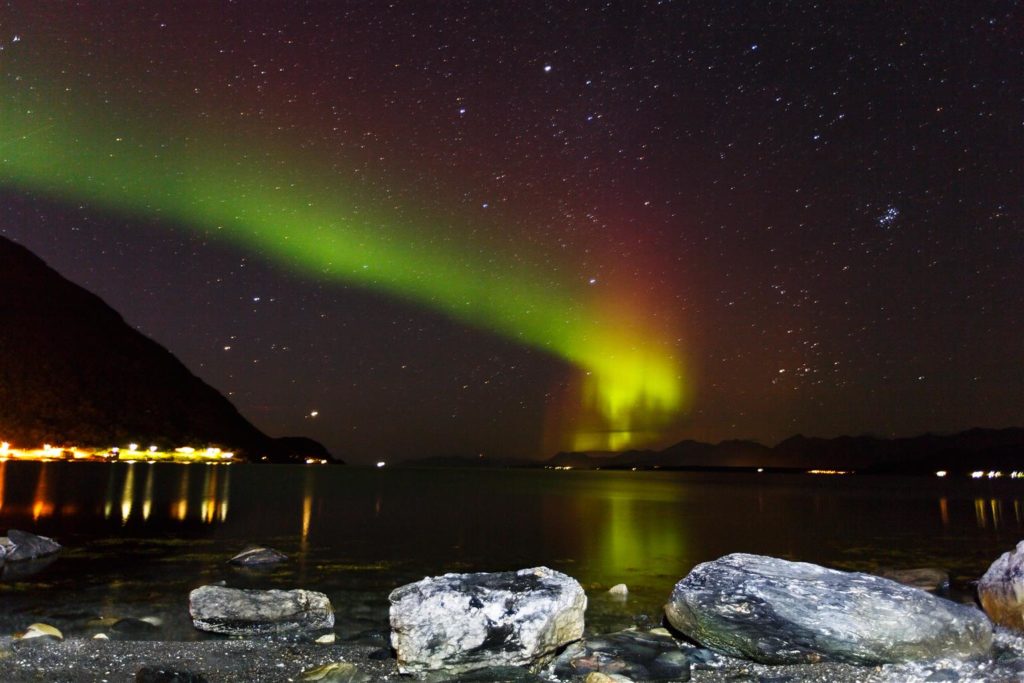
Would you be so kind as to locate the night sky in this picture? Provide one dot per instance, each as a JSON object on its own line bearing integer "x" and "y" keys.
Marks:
{"x": 413, "y": 228}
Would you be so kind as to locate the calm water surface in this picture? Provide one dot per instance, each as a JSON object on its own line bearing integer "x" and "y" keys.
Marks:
{"x": 139, "y": 537}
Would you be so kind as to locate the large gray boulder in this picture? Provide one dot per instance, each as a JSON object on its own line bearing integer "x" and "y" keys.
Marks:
{"x": 21, "y": 545}
{"x": 779, "y": 612}
{"x": 240, "y": 612}
{"x": 1001, "y": 589}
{"x": 462, "y": 622}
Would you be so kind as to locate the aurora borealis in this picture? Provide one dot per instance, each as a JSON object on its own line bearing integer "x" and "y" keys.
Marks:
{"x": 710, "y": 222}
{"x": 306, "y": 224}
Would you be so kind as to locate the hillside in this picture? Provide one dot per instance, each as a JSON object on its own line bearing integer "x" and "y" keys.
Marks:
{"x": 73, "y": 372}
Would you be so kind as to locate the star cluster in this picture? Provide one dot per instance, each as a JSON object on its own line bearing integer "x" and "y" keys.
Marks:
{"x": 812, "y": 210}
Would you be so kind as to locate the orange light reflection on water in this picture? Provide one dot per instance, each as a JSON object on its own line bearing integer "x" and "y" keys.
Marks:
{"x": 307, "y": 509}
{"x": 179, "y": 510}
{"x": 42, "y": 505}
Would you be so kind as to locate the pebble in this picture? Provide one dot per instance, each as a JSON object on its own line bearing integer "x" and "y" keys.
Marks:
{"x": 39, "y": 630}
{"x": 598, "y": 677}
{"x": 336, "y": 672}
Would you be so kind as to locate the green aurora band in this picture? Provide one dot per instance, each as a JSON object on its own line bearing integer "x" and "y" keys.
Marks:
{"x": 295, "y": 212}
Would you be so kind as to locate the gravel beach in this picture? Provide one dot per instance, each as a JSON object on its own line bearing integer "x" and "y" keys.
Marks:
{"x": 95, "y": 661}
{"x": 82, "y": 661}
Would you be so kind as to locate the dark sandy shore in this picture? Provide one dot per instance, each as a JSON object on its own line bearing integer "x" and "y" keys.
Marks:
{"x": 81, "y": 661}
{"x": 229, "y": 661}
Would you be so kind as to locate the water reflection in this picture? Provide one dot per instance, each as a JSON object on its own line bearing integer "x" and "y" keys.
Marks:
{"x": 629, "y": 536}
{"x": 622, "y": 525}
{"x": 208, "y": 506}
{"x": 108, "y": 499}
{"x": 602, "y": 527}
{"x": 147, "y": 495}
{"x": 307, "y": 509}
{"x": 42, "y": 504}
{"x": 989, "y": 512}
{"x": 128, "y": 494}
{"x": 180, "y": 509}
{"x": 225, "y": 494}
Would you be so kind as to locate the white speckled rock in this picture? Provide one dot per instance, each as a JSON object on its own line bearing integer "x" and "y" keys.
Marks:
{"x": 779, "y": 612}
{"x": 461, "y": 622}
{"x": 1001, "y": 589}
{"x": 240, "y": 612}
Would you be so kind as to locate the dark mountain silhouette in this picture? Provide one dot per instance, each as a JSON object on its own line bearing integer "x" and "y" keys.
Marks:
{"x": 73, "y": 372}
{"x": 975, "y": 449}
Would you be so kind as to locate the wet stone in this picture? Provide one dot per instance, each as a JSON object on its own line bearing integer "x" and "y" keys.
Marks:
{"x": 41, "y": 630}
{"x": 779, "y": 612}
{"x": 258, "y": 556}
{"x": 926, "y": 578}
{"x": 336, "y": 672}
{"x": 1001, "y": 589}
{"x": 234, "y": 611}
{"x": 22, "y": 545}
{"x": 598, "y": 677}
{"x": 637, "y": 655}
{"x": 39, "y": 641}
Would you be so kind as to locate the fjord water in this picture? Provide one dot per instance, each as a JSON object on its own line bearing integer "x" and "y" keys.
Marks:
{"x": 138, "y": 537}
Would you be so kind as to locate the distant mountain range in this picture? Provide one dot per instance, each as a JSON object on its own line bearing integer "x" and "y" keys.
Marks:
{"x": 73, "y": 372}
{"x": 972, "y": 450}
{"x": 975, "y": 449}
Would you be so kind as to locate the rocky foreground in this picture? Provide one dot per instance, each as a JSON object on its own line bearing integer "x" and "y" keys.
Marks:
{"x": 82, "y": 661}
{"x": 738, "y": 618}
